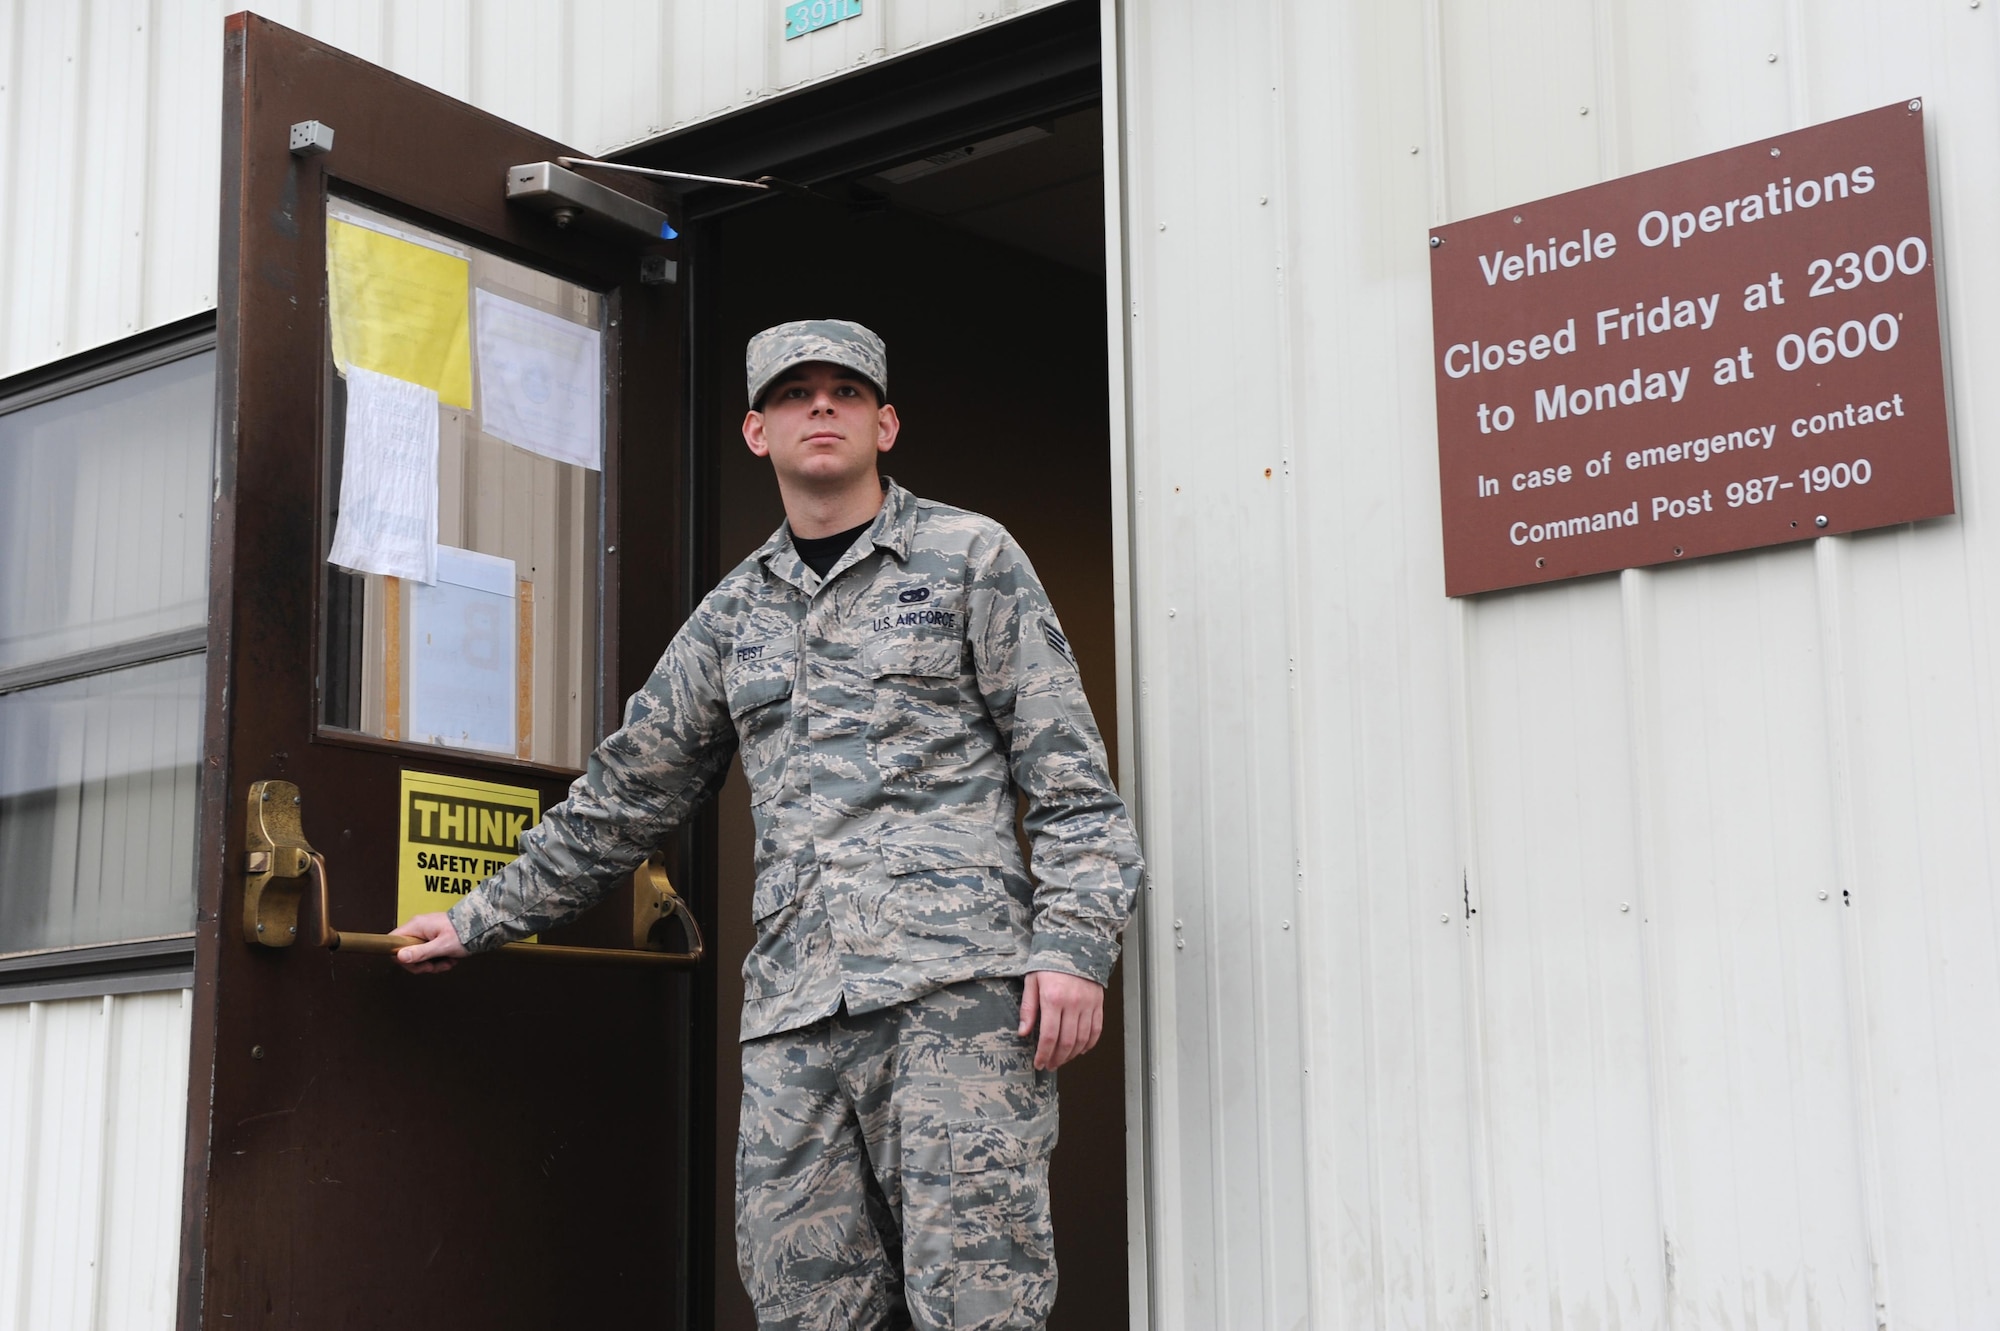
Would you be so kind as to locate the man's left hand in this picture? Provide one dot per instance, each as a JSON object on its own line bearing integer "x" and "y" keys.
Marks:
{"x": 1071, "y": 1011}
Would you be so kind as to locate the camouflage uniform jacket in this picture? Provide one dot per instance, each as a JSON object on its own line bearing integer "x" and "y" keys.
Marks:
{"x": 886, "y": 716}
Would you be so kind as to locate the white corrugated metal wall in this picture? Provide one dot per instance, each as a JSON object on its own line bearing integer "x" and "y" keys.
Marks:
{"x": 110, "y": 117}
{"x": 93, "y": 1095}
{"x": 1666, "y": 1075}
{"x": 1733, "y": 1103}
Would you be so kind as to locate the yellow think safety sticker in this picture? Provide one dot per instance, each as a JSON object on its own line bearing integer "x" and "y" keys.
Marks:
{"x": 455, "y": 835}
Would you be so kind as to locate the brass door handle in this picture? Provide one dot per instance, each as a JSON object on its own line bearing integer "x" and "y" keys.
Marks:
{"x": 280, "y": 861}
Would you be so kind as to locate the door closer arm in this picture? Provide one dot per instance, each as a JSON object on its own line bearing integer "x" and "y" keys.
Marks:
{"x": 760, "y": 183}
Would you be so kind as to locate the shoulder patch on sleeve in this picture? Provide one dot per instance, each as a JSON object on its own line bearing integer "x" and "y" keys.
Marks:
{"x": 1058, "y": 641}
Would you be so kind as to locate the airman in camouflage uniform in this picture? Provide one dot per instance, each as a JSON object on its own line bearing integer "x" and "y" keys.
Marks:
{"x": 896, "y": 1129}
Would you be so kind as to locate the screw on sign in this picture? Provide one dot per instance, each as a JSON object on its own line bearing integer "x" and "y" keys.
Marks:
{"x": 1733, "y": 351}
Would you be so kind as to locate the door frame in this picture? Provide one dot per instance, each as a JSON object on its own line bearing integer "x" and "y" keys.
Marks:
{"x": 1058, "y": 58}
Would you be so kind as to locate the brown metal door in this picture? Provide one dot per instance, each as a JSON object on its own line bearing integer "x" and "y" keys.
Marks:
{"x": 505, "y": 1145}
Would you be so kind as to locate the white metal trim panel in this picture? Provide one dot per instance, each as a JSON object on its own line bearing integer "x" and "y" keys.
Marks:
{"x": 93, "y": 1104}
{"x": 110, "y": 117}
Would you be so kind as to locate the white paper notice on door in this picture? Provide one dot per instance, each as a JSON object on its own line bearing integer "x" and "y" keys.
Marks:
{"x": 462, "y": 647}
{"x": 541, "y": 381}
{"x": 388, "y": 479}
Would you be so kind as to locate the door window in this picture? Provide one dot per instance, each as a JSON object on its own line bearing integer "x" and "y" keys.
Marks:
{"x": 493, "y": 646}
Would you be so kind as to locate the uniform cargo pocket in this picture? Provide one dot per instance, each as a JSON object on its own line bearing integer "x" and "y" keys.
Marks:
{"x": 1003, "y": 1245}
{"x": 979, "y": 1143}
{"x": 937, "y": 844}
{"x": 948, "y": 895}
{"x": 772, "y": 967}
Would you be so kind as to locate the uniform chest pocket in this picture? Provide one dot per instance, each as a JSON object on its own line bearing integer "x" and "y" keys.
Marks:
{"x": 922, "y": 656}
{"x": 919, "y": 724}
{"x": 759, "y": 684}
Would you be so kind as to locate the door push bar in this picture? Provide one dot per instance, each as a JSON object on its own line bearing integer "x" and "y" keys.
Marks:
{"x": 280, "y": 860}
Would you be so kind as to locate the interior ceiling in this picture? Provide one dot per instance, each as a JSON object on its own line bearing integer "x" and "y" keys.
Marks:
{"x": 847, "y": 139}
{"x": 1039, "y": 188}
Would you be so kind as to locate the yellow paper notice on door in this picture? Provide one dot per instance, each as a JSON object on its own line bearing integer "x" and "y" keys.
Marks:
{"x": 401, "y": 309}
{"x": 456, "y": 834}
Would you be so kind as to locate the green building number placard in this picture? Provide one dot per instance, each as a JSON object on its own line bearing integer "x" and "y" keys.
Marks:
{"x": 812, "y": 15}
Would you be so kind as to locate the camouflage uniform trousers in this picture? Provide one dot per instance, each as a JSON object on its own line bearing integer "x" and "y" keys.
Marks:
{"x": 892, "y": 1168}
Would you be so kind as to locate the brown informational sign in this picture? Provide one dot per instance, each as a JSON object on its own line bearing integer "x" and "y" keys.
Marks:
{"x": 1728, "y": 352}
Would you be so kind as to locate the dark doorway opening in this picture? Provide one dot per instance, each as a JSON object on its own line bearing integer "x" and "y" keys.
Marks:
{"x": 961, "y": 216}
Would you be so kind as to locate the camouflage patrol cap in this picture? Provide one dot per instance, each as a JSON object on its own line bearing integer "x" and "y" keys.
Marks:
{"x": 835, "y": 341}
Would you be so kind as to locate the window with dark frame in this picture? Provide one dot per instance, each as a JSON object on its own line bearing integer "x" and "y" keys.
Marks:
{"x": 400, "y": 659}
{"x": 107, "y": 475}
